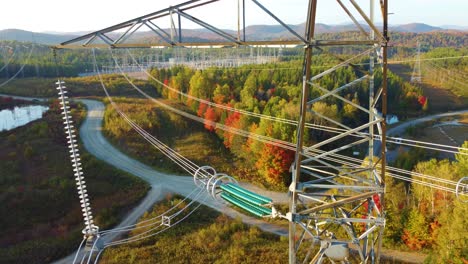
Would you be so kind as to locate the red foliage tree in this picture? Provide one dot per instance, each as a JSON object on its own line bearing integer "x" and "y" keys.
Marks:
{"x": 376, "y": 199}
{"x": 232, "y": 120}
{"x": 210, "y": 116}
{"x": 201, "y": 109}
{"x": 422, "y": 100}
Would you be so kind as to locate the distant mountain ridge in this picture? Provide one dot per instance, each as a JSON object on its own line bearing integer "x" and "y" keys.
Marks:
{"x": 28, "y": 36}
{"x": 415, "y": 28}
{"x": 252, "y": 32}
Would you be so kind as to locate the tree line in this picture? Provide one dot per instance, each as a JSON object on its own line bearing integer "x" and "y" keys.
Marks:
{"x": 275, "y": 90}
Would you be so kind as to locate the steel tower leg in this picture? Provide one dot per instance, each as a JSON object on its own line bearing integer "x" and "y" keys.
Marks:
{"x": 336, "y": 202}
{"x": 310, "y": 28}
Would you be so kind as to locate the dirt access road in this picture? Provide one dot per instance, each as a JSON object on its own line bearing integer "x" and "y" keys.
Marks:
{"x": 161, "y": 183}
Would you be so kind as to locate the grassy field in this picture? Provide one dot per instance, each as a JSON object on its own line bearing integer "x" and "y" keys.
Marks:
{"x": 205, "y": 237}
{"x": 41, "y": 215}
{"x": 441, "y": 99}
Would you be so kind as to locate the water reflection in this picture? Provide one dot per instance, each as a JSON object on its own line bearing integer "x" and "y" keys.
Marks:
{"x": 20, "y": 116}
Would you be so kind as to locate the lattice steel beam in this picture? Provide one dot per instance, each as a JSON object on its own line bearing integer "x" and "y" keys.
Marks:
{"x": 334, "y": 201}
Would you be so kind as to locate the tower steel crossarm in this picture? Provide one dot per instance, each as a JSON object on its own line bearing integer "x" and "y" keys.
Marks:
{"x": 114, "y": 37}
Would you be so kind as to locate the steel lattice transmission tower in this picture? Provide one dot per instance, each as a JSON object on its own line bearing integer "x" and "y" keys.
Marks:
{"x": 336, "y": 204}
{"x": 336, "y": 201}
{"x": 416, "y": 77}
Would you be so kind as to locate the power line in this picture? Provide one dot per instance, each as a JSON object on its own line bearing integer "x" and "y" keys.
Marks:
{"x": 429, "y": 59}
{"x": 19, "y": 71}
{"x": 173, "y": 155}
{"x": 9, "y": 60}
{"x": 284, "y": 120}
{"x": 291, "y": 146}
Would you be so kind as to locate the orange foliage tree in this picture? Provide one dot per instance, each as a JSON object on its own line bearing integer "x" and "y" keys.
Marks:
{"x": 273, "y": 164}
{"x": 210, "y": 116}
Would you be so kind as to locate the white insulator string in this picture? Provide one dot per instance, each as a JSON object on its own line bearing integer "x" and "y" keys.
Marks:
{"x": 78, "y": 170}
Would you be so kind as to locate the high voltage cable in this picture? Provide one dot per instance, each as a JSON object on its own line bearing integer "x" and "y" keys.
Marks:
{"x": 432, "y": 70}
{"x": 283, "y": 144}
{"x": 175, "y": 158}
{"x": 160, "y": 231}
{"x": 331, "y": 65}
{"x": 20, "y": 70}
{"x": 262, "y": 138}
{"x": 188, "y": 165}
{"x": 287, "y": 121}
{"x": 78, "y": 250}
{"x": 292, "y": 122}
{"x": 453, "y": 72}
{"x": 430, "y": 59}
{"x": 9, "y": 60}
{"x": 143, "y": 235}
{"x": 144, "y": 222}
{"x": 409, "y": 173}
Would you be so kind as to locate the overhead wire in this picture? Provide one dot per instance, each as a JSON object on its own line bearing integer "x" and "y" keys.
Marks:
{"x": 283, "y": 144}
{"x": 455, "y": 73}
{"x": 160, "y": 231}
{"x": 173, "y": 155}
{"x": 143, "y": 235}
{"x": 9, "y": 60}
{"x": 20, "y": 69}
{"x": 449, "y": 77}
{"x": 285, "y": 120}
{"x": 429, "y": 59}
{"x": 79, "y": 250}
{"x": 144, "y": 223}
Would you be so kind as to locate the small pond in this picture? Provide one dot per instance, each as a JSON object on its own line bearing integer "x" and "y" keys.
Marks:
{"x": 19, "y": 116}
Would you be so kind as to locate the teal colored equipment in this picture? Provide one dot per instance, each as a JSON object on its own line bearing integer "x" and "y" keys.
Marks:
{"x": 247, "y": 200}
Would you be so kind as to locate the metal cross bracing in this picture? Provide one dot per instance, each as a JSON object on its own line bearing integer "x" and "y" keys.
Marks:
{"x": 172, "y": 37}
{"x": 336, "y": 205}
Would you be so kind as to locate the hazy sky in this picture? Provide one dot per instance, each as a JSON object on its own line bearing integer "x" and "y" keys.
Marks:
{"x": 84, "y": 15}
